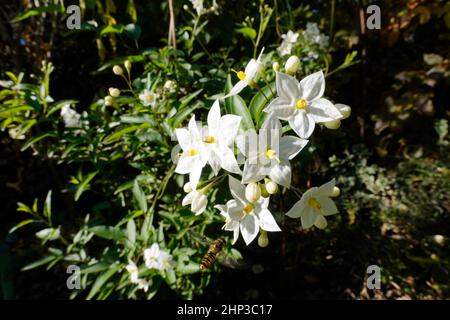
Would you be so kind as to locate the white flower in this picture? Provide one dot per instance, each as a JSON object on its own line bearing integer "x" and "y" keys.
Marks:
{"x": 314, "y": 205}
{"x": 143, "y": 284}
{"x": 284, "y": 49}
{"x": 301, "y": 103}
{"x": 194, "y": 156}
{"x": 249, "y": 216}
{"x": 117, "y": 70}
{"x": 155, "y": 258}
{"x": 170, "y": 85}
{"x": 230, "y": 225}
{"x": 114, "y": 92}
{"x": 290, "y": 37}
{"x": 312, "y": 34}
{"x": 198, "y": 6}
{"x": 272, "y": 156}
{"x": 71, "y": 117}
{"x": 16, "y": 133}
{"x": 253, "y": 68}
{"x": 218, "y": 138}
{"x": 134, "y": 272}
{"x": 252, "y": 192}
{"x": 344, "y": 109}
{"x": 148, "y": 98}
{"x": 197, "y": 200}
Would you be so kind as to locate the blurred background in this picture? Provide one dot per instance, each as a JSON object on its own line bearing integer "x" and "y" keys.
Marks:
{"x": 390, "y": 159}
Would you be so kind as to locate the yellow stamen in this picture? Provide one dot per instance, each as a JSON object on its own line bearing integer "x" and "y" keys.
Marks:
{"x": 248, "y": 208}
{"x": 209, "y": 139}
{"x": 271, "y": 154}
{"x": 301, "y": 104}
{"x": 241, "y": 75}
{"x": 227, "y": 221}
{"x": 149, "y": 98}
{"x": 192, "y": 152}
{"x": 314, "y": 203}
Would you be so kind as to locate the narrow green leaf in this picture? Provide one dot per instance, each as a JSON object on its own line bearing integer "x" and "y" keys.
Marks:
{"x": 101, "y": 280}
{"x": 84, "y": 185}
{"x": 236, "y": 105}
{"x": 124, "y": 130}
{"x": 21, "y": 224}
{"x": 139, "y": 195}
{"x": 182, "y": 114}
{"x": 108, "y": 232}
{"x": 30, "y": 142}
{"x": 260, "y": 100}
{"x": 36, "y": 11}
{"x": 39, "y": 263}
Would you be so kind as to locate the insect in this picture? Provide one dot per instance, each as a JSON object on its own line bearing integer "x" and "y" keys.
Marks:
{"x": 211, "y": 255}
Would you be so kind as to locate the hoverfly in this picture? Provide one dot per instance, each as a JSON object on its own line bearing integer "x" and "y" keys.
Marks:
{"x": 216, "y": 252}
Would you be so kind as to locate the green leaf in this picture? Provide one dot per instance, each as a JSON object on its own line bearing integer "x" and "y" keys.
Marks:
{"x": 84, "y": 185}
{"x": 260, "y": 100}
{"x": 122, "y": 131}
{"x": 131, "y": 233}
{"x": 247, "y": 32}
{"x": 30, "y": 142}
{"x": 95, "y": 268}
{"x": 48, "y": 206}
{"x": 21, "y": 224}
{"x": 236, "y": 105}
{"x": 58, "y": 106}
{"x": 139, "y": 195}
{"x": 117, "y": 28}
{"x": 101, "y": 280}
{"x": 36, "y": 11}
{"x": 39, "y": 263}
{"x": 108, "y": 232}
{"x": 185, "y": 100}
{"x": 182, "y": 114}
{"x": 8, "y": 112}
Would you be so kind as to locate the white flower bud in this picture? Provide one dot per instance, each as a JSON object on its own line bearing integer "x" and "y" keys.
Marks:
{"x": 114, "y": 92}
{"x": 187, "y": 187}
{"x": 321, "y": 222}
{"x": 169, "y": 85}
{"x": 263, "y": 239}
{"x": 439, "y": 239}
{"x": 199, "y": 203}
{"x": 117, "y": 70}
{"x": 344, "y": 109}
{"x": 336, "y": 192}
{"x": 292, "y": 65}
{"x": 252, "y": 192}
{"x": 333, "y": 125}
{"x": 109, "y": 101}
{"x": 271, "y": 187}
{"x": 128, "y": 65}
{"x": 186, "y": 7}
{"x": 276, "y": 66}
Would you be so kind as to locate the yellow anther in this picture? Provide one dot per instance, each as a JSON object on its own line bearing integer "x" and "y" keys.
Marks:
{"x": 301, "y": 104}
{"x": 271, "y": 154}
{"x": 209, "y": 139}
{"x": 241, "y": 75}
{"x": 192, "y": 152}
{"x": 149, "y": 98}
{"x": 248, "y": 208}
{"x": 314, "y": 203}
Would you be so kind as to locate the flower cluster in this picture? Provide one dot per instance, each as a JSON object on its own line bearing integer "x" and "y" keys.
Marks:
{"x": 265, "y": 155}
{"x": 154, "y": 258}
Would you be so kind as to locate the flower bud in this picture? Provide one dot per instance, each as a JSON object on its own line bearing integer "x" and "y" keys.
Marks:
{"x": 109, "y": 101}
{"x": 114, "y": 92}
{"x": 263, "y": 239}
{"x": 276, "y": 66}
{"x": 252, "y": 192}
{"x": 264, "y": 192}
{"x": 117, "y": 70}
{"x": 186, "y": 7}
{"x": 128, "y": 65}
{"x": 333, "y": 125}
{"x": 439, "y": 239}
{"x": 169, "y": 85}
{"x": 336, "y": 192}
{"x": 292, "y": 65}
{"x": 271, "y": 187}
{"x": 344, "y": 110}
{"x": 199, "y": 203}
{"x": 187, "y": 187}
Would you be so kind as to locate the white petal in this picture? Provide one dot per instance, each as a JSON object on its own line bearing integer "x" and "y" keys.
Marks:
{"x": 281, "y": 174}
{"x": 193, "y": 129}
{"x": 214, "y": 161}
{"x": 235, "y": 234}
{"x": 228, "y": 161}
{"x": 252, "y": 172}
{"x": 296, "y": 210}
{"x": 323, "y": 110}
{"x": 237, "y": 189}
{"x": 281, "y": 111}
{"x": 247, "y": 143}
{"x": 327, "y": 206}
{"x": 214, "y": 116}
{"x": 313, "y": 86}
{"x": 222, "y": 209}
{"x": 267, "y": 221}
{"x": 308, "y": 217}
{"x": 237, "y": 88}
{"x": 188, "y": 198}
{"x": 194, "y": 175}
{"x": 229, "y": 127}
{"x": 252, "y": 69}
{"x": 302, "y": 124}
{"x": 199, "y": 203}
{"x": 321, "y": 222}
{"x": 288, "y": 87}
{"x": 235, "y": 210}
{"x": 290, "y": 146}
{"x": 249, "y": 228}
{"x": 185, "y": 164}
{"x": 327, "y": 188}
{"x": 184, "y": 138}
